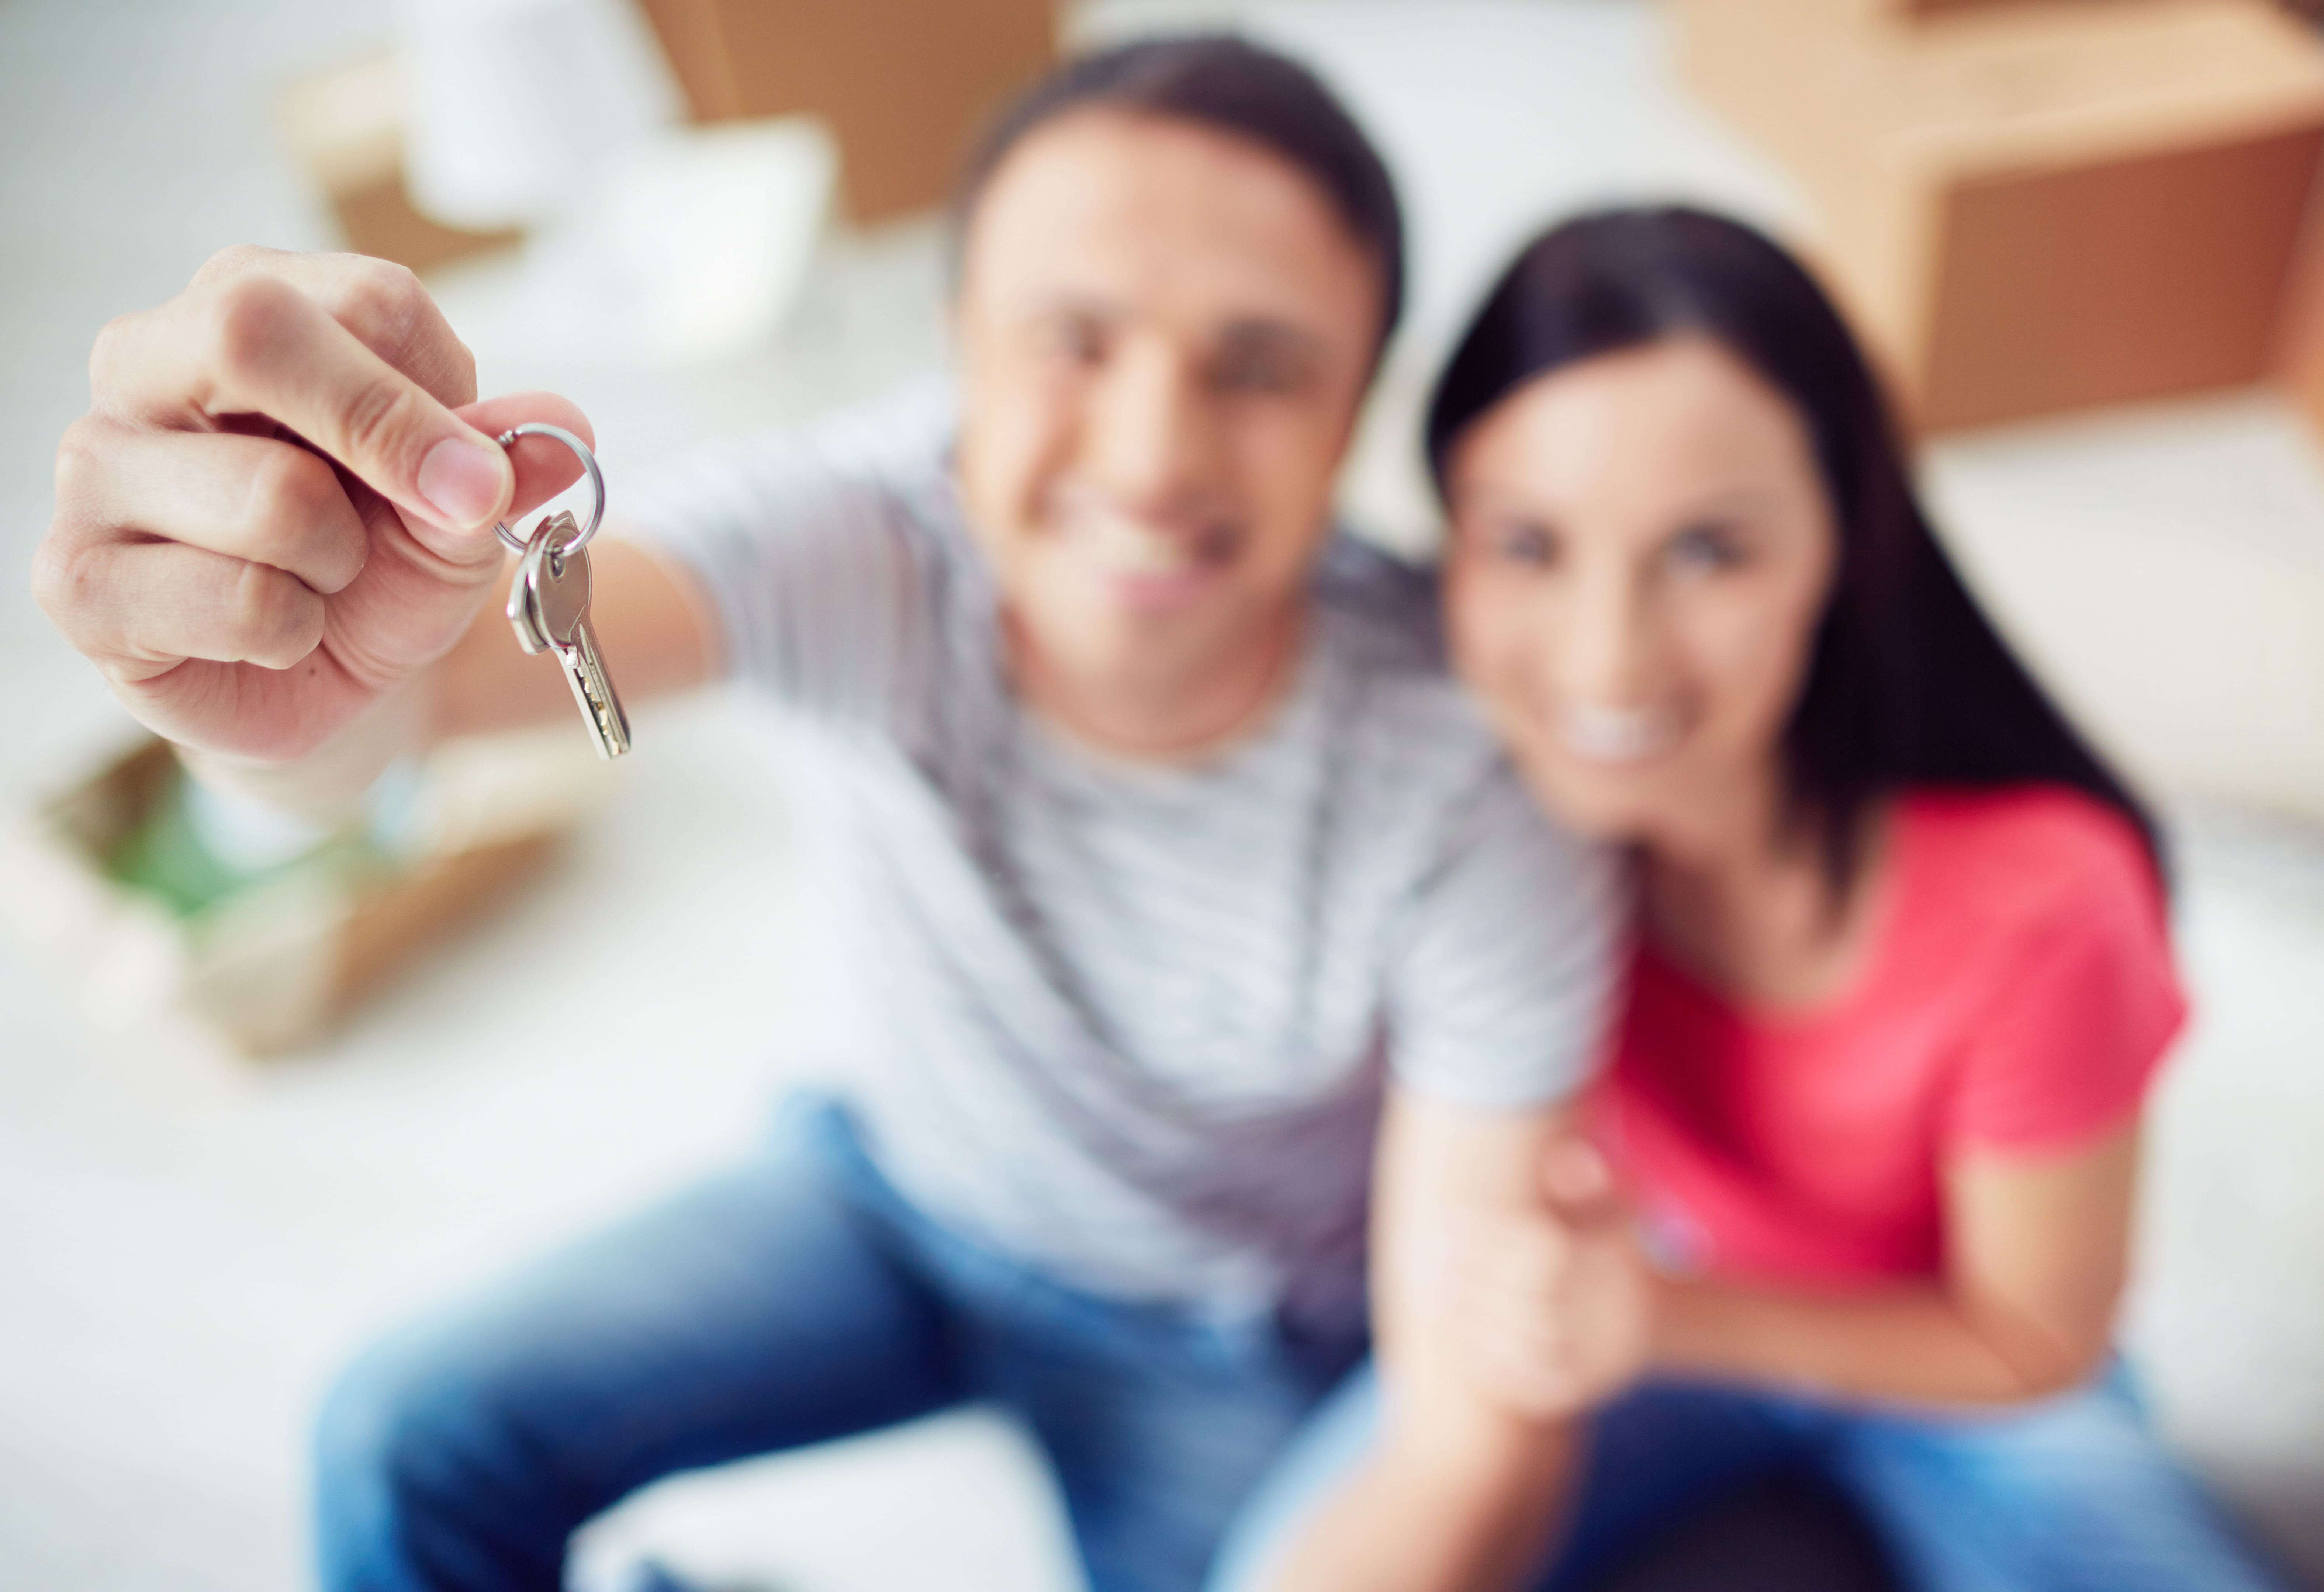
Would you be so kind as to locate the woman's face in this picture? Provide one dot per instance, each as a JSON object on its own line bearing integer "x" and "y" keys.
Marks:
{"x": 1641, "y": 550}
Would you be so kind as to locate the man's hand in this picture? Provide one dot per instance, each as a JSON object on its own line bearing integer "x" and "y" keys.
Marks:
{"x": 1556, "y": 1300}
{"x": 280, "y": 503}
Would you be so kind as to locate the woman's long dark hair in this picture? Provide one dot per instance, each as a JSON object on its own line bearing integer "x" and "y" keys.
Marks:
{"x": 1908, "y": 683}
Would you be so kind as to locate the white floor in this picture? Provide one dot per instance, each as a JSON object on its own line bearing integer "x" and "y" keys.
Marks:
{"x": 187, "y": 1248}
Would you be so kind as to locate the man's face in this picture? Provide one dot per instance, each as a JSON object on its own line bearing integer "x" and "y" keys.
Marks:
{"x": 1165, "y": 333}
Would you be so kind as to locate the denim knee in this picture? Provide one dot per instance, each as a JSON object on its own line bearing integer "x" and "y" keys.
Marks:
{"x": 386, "y": 1419}
{"x": 424, "y": 1477}
{"x": 2072, "y": 1492}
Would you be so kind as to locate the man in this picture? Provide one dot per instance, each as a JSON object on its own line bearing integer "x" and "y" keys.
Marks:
{"x": 1168, "y": 847}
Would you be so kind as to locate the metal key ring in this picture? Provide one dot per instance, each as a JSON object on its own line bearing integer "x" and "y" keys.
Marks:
{"x": 588, "y": 463}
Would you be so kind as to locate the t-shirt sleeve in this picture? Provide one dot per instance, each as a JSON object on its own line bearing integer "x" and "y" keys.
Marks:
{"x": 1503, "y": 994}
{"x": 812, "y": 547}
{"x": 2088, "y": 1004}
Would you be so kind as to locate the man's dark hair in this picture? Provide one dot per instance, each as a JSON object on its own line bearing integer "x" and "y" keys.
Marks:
{"x": 1909, "y": 683}
{"x": 1219, "y": 81}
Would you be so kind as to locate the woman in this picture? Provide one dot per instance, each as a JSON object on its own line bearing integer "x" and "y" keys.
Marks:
{"x": 1903, "y": 975}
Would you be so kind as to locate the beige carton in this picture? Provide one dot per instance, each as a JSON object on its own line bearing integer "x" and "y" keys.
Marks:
{"x": 277, "y": 964}
{"x": 904, "y": 85}
{"x": 2044, "y": 205}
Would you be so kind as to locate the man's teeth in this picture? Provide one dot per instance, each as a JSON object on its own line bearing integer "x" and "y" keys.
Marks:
{"x": 1126, "y": 549}
{"x": 1617, "y": 735}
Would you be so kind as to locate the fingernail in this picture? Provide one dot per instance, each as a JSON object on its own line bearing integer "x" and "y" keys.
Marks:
{"x": 464, "y": 481}
{"x": 1576, "y": 1171}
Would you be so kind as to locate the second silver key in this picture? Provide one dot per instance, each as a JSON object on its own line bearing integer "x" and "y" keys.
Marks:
{"x": 556, "y": 590}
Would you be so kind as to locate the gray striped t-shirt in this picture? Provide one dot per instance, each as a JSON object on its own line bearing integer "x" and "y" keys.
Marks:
{"x": 1129, "y": 1021}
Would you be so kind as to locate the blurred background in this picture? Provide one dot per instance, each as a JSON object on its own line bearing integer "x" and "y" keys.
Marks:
{"x": 246, "y": 1120}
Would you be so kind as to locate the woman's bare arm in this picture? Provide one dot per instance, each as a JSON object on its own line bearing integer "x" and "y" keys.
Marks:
{"x": 2037, "y": 1255}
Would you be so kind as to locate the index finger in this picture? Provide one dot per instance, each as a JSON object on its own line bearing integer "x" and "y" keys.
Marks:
{"x": 257, "y": 345}
{"x": 383, "y": 304}
{"x": 543, "y": 467}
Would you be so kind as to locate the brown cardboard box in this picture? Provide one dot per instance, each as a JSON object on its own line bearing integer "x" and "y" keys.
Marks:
{"x": 2044, "y": 205}
{"x": 1918, "y": 9}
{"x": 2311, "y": 10}
{"x": 345, "y": 123}
{"x": 904, "y": 84}
{"x": 279, "y": 963}
{"x": 2299, "y": 329}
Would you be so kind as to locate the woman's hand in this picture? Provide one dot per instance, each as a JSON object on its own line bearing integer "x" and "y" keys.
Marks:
{"x": 1559, "y": 1301}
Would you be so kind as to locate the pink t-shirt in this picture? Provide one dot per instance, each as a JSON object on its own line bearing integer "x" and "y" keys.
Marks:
{"x": 2019, "y": 995}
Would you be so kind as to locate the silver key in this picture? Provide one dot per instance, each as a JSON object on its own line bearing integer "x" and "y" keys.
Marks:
{"x": 520, "y": 598}
{"x": 550, "y": 605}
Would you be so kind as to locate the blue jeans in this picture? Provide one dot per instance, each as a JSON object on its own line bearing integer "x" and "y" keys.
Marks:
{"x": 2068, "y": 1495}
{"x": 796, "y": 1299}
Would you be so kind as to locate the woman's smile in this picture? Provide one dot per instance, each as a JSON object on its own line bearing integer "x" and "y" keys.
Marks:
{"x": 1617, "y": 737}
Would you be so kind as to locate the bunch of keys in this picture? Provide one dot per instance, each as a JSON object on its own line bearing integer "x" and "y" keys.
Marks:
{"x": 548, "y": 605}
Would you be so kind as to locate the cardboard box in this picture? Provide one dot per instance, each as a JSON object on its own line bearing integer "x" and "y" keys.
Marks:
{"x": 1916, "y": 10}
{"x": 277, "y": 963}
{"x": 345, "y": 124}
{"x": 905, "y": 84}
{"x": 2040, "y": 205}
{"x": 2311, "y": 10}
{"x": 2299, "y": 329}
